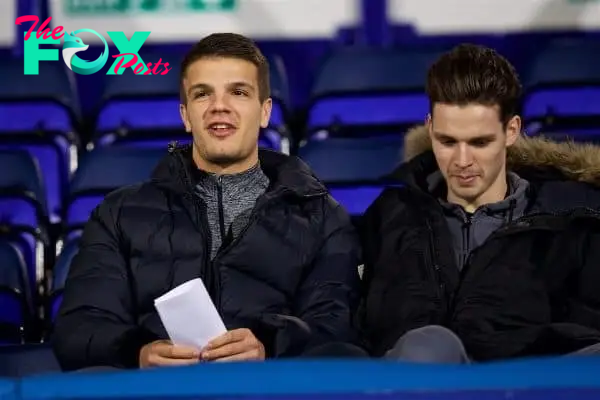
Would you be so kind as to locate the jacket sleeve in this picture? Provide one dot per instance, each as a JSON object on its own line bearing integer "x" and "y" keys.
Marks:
{"x": 95, "y": 325}
{"x": 369, "y": 232}
{"x": 584, "y": 303}
{"x": 328, "y": 295}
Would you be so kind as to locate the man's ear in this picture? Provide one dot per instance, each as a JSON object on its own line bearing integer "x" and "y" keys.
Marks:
{"x": 513, "y": 130}
{"x": 429, "y": 124}
{"x": 184, "y": 118}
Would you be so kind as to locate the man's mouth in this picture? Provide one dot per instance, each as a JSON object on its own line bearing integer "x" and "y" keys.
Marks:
{"x": 221, "y": 129}
{"x": 466, "y": 179}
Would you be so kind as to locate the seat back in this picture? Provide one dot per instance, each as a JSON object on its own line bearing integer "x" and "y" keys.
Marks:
{"x": 365, "y": 87}
{"x": 52, "y": 154}
{"x": 15, "y": 310}
{"x": 356, "y": 199}
{"x": 40, "y": 113}
{"x": 47, "y": 101}
{"x": 20, "y": 361}
{"x": 23, "y": 213}
{"x": 103, "y": 170}
{"x": 59, "y": 276}
{"x": 350, "y": 160}
{"x": 22, "y": 178}
{"x": 563, "y": 80}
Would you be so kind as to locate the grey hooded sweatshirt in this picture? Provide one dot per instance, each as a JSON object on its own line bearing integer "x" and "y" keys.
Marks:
{"x": 470, "y": 231}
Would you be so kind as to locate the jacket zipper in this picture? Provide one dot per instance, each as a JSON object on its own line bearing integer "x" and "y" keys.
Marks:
{"x": 466, "y": 250}
{"x": 213, "y": 264}
{"x": 433, "y": 269}
{"x": 214, "y": 267}
{"x": 221, "y": 211}
{"x": 202, "y": 227}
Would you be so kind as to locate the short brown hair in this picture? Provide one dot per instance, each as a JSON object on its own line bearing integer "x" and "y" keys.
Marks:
{"x": 475, "y": 74}
{"x": 229, "y": 45}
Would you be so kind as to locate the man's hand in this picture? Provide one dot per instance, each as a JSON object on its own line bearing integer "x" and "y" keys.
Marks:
{"x": 163, "y": 353}
{"x": 235, "y": 345}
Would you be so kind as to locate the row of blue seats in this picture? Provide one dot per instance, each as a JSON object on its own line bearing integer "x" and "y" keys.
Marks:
{"x": 358, "y": 92}
{"x": 397, "y": 73}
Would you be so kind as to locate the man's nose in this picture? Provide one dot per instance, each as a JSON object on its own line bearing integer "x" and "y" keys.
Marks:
{"x": 464, "y": 157}
{"x": 219, "y": 103}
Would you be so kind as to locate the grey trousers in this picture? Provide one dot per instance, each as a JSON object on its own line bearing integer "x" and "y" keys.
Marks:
{"x": 437, "y": 344}
{"x": 429, "y": 344}
{"x": 593, "y": 350}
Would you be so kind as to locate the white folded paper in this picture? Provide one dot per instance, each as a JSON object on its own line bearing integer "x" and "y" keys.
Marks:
{"x": 189, "y": 315}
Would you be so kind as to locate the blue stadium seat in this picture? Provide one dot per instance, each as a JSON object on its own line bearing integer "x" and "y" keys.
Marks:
{"x": 59, "y": 275}
{"x": 563, "y": 81}
{"x": 277, "y": 134}
{"x": 23, "y": 212}
{"x": 132, "y": 102}
{"x": 356, "y": 198}
{"x": 145, "y": 109}
{"x": 349, "y": 160}
{"x": 353, "y": 169}
{"x": 15, "y": 305}
{"x": 105, "y": 169}
{"x": 40, "y": 113}
{"x": 27, "y": 359}
{"x": 566, "y": 131}
{"x": 364, "y": 87}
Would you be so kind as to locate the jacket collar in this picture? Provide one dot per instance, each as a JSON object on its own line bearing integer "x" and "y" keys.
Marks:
{"x": 287, "y": 174}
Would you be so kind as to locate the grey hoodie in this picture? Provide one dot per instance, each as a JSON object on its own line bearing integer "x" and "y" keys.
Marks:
{"x": 470, "y": 231}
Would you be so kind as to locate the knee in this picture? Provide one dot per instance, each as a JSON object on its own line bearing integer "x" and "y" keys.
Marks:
{"x": 429, "y": 344}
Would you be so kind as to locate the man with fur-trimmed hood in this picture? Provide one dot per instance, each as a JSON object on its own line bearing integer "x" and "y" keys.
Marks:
{"x": 490, "y": 246}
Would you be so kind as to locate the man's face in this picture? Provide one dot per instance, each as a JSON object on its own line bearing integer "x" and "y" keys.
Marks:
{"x": 469, "y": 143}
{"x": 223, "y": 110}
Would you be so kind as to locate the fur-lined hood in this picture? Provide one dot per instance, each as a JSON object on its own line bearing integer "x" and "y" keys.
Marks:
{"x": 575, "y": 161}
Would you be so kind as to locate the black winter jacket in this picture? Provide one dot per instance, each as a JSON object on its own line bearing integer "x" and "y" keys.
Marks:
{"x": 531, "y": 289}
{"x": 290, "y": 276}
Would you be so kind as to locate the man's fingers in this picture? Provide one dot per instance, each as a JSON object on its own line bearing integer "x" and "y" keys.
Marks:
{"x": 235, "y": 335}
{"x": 178, "y": 352}
{"x": 157, "y": 361}
{"x": 246, "y": 356}
{"x": 226, "y": 350}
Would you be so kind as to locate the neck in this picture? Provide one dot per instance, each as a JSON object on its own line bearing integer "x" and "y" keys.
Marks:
{"x": 225, "y": 168}
{"x": 495, "y": 193}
